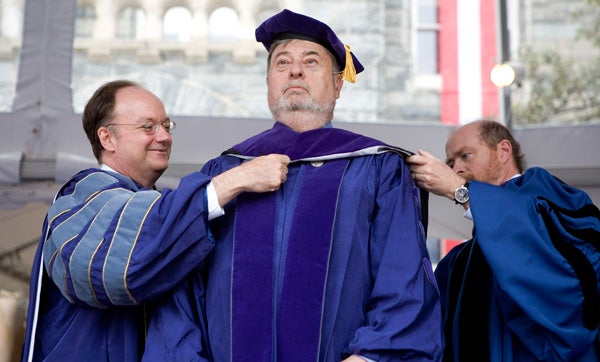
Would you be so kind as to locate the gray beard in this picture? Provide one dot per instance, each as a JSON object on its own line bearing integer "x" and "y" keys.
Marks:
{"x": 283, "y": 108}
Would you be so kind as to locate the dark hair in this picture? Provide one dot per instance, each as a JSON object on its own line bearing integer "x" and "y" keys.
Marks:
{"x": 99, "y": 111}
{"x": 492, "y": 133}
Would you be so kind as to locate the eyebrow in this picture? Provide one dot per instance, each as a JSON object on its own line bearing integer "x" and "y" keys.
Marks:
{"x": 454, "y": 155}
{"x": 304, "y": 54}
{"x": 150, "y": 119}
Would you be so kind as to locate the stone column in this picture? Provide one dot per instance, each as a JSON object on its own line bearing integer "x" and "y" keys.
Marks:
{"x": 103, "y": 32}
{"x": 153, "y": 31}
{"x": 245, "y": 49}
{"x": 104, "y": 28}
{"x": 197, "y": 49}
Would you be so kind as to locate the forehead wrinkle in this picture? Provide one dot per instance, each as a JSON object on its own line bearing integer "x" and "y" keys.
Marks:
{"x": 311, "y": 52}
{"x": 282, "y": 52}
{"x": 304, "y": 53}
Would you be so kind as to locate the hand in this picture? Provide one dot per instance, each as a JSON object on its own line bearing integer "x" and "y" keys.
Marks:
{"x": 262, "y": 174}
{"x": 265, "y": 173}
{"x": 433, "y": 175}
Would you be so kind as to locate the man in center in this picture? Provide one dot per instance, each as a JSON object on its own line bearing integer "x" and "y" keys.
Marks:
{"x": 333, "y": 266}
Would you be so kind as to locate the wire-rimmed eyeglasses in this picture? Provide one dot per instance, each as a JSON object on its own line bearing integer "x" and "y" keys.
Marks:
{"x": 151, "y": 127}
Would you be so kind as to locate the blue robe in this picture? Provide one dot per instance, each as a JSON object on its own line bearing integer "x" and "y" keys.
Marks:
{"x": 525, "y": 288}
{"x": 334, "y": 263}
{"x": 108, "y": 246}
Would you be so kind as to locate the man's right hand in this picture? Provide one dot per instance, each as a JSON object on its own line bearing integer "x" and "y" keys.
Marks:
{"x": 434, "y": 175}
{"x": 262, "y": 174}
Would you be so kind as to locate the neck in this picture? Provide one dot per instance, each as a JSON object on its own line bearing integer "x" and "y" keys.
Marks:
{"x": 509, "y": 175}
{"x": 302, "y": 121}
{"x": 148, "y": 183}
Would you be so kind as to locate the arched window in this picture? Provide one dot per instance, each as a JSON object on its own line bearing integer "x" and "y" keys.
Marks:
{"x": 130, "y": 23}
{"x": 11, "y": 26}
{"x": 177, "y": 24}
{"x": 223, "y": 24}
{"x": 84, "y": 24}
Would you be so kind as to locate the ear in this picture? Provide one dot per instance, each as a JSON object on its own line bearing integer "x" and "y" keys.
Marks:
{"x": 107, "y": 138}
{"x": 504, "y": 149}
{"x": 338, "y": 84}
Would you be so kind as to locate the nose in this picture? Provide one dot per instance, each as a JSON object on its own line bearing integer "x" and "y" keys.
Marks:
{"x": 162, "y": 134}
{"x": 458, "y": 167}
{"x": 296, "y": 70}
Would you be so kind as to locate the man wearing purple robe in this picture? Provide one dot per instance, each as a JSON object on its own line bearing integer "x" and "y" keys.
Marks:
{"x": 332, "y": 266}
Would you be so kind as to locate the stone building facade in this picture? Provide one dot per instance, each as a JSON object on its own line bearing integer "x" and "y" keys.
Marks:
{"x": 213, "y": 67}
{"x": 218, "y": 75}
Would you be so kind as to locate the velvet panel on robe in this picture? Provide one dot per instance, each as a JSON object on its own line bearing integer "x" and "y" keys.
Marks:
{"x": 111, "y": 246}
{"x": 535, "y": 260}
{"x": 379, "y": 297}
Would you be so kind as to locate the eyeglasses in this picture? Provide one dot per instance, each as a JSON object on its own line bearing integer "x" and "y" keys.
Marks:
{"x": 150, "y": 127}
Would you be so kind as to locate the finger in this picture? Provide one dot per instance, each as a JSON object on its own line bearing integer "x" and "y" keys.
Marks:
{"x": 424, "y": 153}
{"x": 284, "y": 159}
{"x": 416, "y": 160}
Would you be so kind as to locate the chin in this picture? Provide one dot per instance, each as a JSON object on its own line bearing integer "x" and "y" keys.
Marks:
{"x": 161, "y": 165}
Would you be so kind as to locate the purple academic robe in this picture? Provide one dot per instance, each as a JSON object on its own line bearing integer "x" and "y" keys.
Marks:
{"x": 334, "y": 263}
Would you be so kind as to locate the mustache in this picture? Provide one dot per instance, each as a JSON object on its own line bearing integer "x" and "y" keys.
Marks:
{"x": 296, "y": 84}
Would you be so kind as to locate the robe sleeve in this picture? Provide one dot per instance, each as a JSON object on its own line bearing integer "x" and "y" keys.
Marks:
{"x": 177, "y": 328}
{"x": 109, "y": 244}
{"x": 539, "y": 294}
{"x": 403, "y": 316}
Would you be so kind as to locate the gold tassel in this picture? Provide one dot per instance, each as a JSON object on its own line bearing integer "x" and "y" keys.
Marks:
{"x": 349, "y": 72}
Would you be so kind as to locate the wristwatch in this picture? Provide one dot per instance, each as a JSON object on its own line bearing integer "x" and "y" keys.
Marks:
{"x": 461, "y": 194}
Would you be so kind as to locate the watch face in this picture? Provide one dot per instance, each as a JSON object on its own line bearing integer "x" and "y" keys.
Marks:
{"x": 461, "y": 194}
